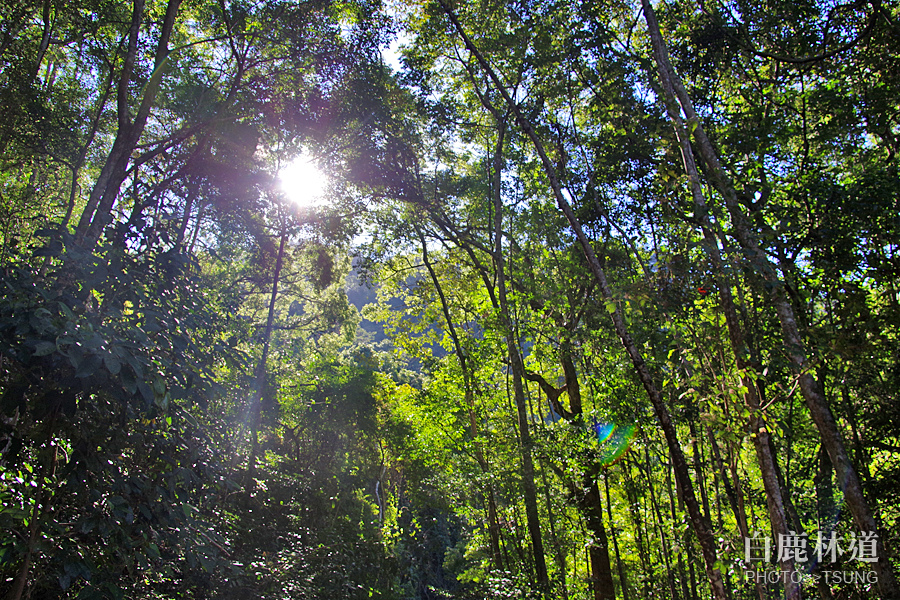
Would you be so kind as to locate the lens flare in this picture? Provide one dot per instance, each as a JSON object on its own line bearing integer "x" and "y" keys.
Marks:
{"x": 613, "y": 440}
{"x": 604, "y": 430}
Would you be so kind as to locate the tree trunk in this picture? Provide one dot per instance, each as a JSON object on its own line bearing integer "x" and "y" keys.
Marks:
{"x": 592, "y": 508}
{"x": 41, "y": 507}
{"x": 665, "y": 548}
{"x": 97, "y": 213}
{"x": 465, "y": 367}
{"x": 639, "y": 523}
{"x": 735, "y": 499}
{"x": 673, "y": 494}
{"x": 557, "y": 547}
{"x": 758, "y": 431}
{"x": 260, "y": 375}
{"x": 518, "y": 372}
{"x": 620, "y": 567}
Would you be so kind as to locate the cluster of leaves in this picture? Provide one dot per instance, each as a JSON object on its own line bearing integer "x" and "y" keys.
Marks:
{"x": 102, "y": 383}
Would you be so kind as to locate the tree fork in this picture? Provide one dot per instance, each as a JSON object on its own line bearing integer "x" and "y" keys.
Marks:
{"x": 97, "y": 212}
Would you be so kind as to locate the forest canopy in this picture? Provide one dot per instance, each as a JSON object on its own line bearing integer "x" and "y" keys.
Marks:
{"x": 420, "y": 300}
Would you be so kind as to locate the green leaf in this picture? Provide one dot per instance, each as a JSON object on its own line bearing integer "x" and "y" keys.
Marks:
{"x": 66, "y": 311}
{"x": 45, "y": 348}
{"x": 153, "y": 550}
{"x": 208, "y": 564}
{"x": 88, "y": 366}
{"x": 113, "y": 365}
{"x": 146, "y": 392}
{"x": 129, "y": 381}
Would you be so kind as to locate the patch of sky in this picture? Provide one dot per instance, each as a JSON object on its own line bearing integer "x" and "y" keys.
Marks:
{"x": 393, "y": 53}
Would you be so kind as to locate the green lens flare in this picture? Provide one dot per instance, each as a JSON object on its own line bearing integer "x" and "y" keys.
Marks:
{"x": 613, "y": 440}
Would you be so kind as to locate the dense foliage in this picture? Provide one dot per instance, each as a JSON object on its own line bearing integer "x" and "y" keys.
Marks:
{"x": 603, "y": 301}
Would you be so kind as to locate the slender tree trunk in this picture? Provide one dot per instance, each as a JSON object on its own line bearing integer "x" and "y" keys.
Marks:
{"x": 196, "y": 233}
{"x": 518, "y": 374}
{"x": 465, "y": 366}
{"x": 730, "y": 491}
{"x": 45, "y": 37}
{"x": 825, "y": 507}
{"x": 116, "y": 153}
{"x": 82, "y": 157}
{"x": 673, "y": 495}
{"x": 691, "y": 556}
{"x": 97, "y": 213}
{"x": 698, "y": 468}
{"x": 592, "y": 507}
{"x": 41, "y": 506}
{"x": 638, "y": 522}
{"x": 759, "y": 432}
{"x": 735, "y": 499}
{"x": 557, "y": 547}
{"x": 620, "y": 567}
{"x": 825, "y": 510}
{"x": 260, "y": 375}
{"x": 186, "y": 218}
{"x": 665, "y": 546}
{"x": 862, "y": 456}
{"x": 590, "y": 500}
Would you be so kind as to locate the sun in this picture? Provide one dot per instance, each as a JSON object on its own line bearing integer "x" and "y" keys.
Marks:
{"x": 303, "y": 183}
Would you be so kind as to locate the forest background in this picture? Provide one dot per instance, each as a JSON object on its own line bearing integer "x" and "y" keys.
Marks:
{"x": 601, "y": 301}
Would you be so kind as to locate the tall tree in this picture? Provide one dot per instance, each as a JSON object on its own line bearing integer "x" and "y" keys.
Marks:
{"x": 697, "y": 520}
{"x": 810, "y": 386}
